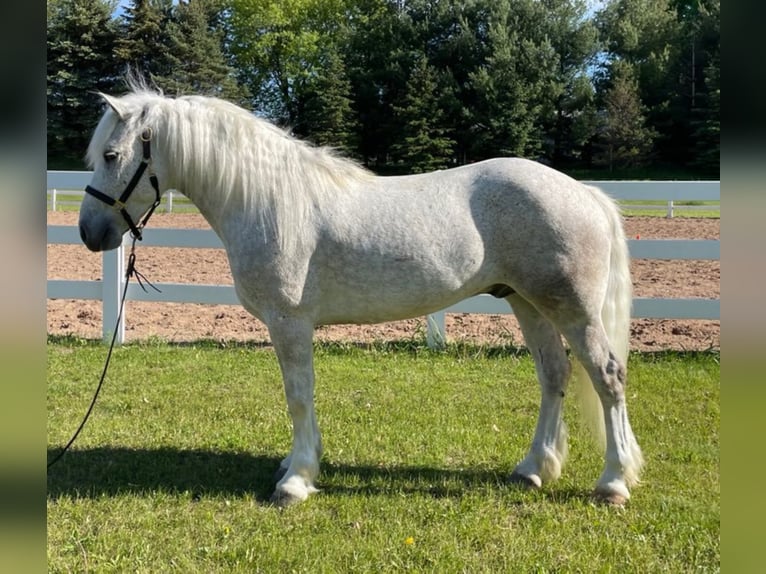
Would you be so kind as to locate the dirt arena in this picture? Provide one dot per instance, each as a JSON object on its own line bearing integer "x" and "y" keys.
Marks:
{"x": 188, "y": 322}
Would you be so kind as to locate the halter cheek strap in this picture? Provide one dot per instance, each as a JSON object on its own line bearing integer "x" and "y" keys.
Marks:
{"x": 120, "y": 204}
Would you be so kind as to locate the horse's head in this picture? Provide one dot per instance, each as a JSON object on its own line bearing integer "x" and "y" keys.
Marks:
{"x": 124, "y": 188}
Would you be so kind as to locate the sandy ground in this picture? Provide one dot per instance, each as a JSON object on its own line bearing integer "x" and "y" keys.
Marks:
{"x": 188, "y": 322}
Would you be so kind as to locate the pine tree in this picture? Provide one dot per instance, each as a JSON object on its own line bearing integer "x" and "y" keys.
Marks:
{"x": 707, "y": 123}
{"x": 195, "y": 58}
{"x": 142, "y": 43}
{"x": 514, "y": 84}
{"x": 424, "y": 145}
{"x": 626, "y": 139}
{"x": 670, "y": 44}
{"x": 575, "y": 41}
{"x": 328, "y": 118}
{"x": 81, "y": 36}
{"x": 374, "y": 55}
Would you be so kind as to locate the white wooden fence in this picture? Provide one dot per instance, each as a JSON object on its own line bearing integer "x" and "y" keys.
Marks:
{"x": 62, "y": 183}
{"x": 110, "y": 288}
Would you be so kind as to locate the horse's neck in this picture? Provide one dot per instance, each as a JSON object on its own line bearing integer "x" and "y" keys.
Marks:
{"x": 200, "y": 199}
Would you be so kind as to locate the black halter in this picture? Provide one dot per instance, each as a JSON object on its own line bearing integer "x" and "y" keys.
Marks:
{"x": 119, "y": 204}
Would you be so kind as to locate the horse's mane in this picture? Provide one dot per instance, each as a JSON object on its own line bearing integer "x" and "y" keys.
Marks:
{"x": 223, "y": 149}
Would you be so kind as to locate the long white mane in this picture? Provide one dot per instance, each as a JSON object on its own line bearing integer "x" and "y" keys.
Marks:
{"x": 223, "y": 153}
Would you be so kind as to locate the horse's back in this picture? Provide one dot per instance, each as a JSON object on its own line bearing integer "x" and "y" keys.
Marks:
{"x": 525, "y": 204}
{"x": 515, "y": 189}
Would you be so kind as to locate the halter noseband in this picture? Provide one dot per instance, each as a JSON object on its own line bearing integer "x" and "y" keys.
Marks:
{"x": 120, "y": 204}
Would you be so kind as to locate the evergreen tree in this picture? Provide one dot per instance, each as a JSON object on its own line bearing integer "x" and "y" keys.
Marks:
{"x": 423, "y": 146}
{"x": 81, "y": 38}
{"x": 701, "y": 21}
{"x": 195, "y": 59}
{"x": 626, "y": 140}
{"x": 646, "y": 34}
{"x": 575, "y": 41}
{"x": 707, "y": 122}
{"x": 378, "y": 58}
{"x": 671, "y": 45}
{"x": 142, "y": 44}
{"x": 513, "y": 87}
{"x": 328, "y": 118}
{"x": 453, "y": 36}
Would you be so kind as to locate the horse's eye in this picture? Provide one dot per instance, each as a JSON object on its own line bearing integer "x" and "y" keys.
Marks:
{"x": 110, "y": 155}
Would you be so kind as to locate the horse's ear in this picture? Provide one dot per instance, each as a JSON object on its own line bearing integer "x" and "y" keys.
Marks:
{"x": 116, "y": 106}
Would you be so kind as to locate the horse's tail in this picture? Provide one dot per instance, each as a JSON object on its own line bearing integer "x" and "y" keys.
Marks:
{"x": 615, "y": 313}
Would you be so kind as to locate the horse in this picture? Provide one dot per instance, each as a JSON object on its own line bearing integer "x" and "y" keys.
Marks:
{"x": 313, "y": 238}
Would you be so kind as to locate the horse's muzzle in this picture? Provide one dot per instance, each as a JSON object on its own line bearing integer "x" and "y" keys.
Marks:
{"x": 99, "y": 237}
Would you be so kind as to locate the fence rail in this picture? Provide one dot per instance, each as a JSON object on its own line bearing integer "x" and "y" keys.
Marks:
{"x": 109, "y": 289}
{"x": 71, "y": 184}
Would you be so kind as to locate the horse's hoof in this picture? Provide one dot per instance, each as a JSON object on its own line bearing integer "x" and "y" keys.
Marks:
{"x": 280, "y": 473}
{"x": 524, "y": 481}
{"x": 284, "y": 499}
{"x": 609, "y": 498}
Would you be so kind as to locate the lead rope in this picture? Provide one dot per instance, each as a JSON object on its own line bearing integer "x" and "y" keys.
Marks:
{"x": 130, "y": 271}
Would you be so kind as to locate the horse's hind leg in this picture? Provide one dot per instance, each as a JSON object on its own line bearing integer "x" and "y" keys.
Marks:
{"x": 608, "y": 375}
{"x": 548, "y": 452}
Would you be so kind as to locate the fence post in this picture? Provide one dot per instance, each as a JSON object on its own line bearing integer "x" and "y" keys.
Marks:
{"x": 113, "y": 271}
{"x": 670, "y": 209}
{"x": 169, "y": 196}
{"x": 53, "y": 199}
{"x": 436, "y": 330}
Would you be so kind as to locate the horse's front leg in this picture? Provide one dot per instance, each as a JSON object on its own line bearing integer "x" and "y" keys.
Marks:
{"x": 292, "y": 339}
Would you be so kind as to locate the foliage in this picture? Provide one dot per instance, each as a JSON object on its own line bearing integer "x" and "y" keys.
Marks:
{"x": 195, "y": 58}
{"x": 143, "y": 40}
{"x": 179, "y": 46}
{"x": 669, "y": 43}
{"x": 278, "y": 47}
{"x": 425, "y": 146}
{"x": 378, "y": 57}
{"x": 535, "y": 78}
{"x": 626, "y": 139}
{"x": 514, "y": 83}
{"x": 328, "y": 118}
{"x": 174, "y": 470}
{"x": 574, "y": 38}
{"x": 707, "y": 121}
{"x": 79, "y": 33}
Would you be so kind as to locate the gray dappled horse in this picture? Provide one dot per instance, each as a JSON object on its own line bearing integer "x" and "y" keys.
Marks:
{"x": 315, "y": 239}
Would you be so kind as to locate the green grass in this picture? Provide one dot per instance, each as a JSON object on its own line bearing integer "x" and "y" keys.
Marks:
{"x": 629, "y": 208}
{"x": 174, "y": 470}
{"x": 179, "y": 207}
{"x": 70, "y": 202}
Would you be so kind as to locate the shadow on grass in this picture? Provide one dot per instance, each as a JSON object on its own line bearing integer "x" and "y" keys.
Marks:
{"x": 92, "y": 473}
{"x": 98, "y": 472}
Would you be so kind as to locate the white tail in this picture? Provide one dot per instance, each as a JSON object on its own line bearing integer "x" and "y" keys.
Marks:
{"x": 615, "y": 315}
